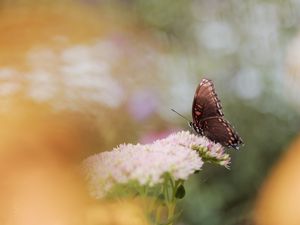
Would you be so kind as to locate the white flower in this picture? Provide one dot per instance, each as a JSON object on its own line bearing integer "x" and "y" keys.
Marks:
{"x": 185, "y": 138}
{"x": 147, "y": 164}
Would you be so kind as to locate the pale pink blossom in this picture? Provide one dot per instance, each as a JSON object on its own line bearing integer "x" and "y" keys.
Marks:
{"x": 147, "y": 164}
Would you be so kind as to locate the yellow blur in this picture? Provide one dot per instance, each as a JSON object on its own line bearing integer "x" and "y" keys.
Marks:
{"x": 279, "y": 199}
{"x": 40, "y": 148}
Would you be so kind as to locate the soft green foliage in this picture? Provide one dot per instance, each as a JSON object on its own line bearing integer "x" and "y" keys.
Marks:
{"x": 157, "y": 198}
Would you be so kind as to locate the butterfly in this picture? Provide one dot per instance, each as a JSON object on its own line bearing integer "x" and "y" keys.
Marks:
{"x": 208, "y": 118}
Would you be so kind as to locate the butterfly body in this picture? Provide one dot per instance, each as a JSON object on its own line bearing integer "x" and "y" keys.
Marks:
{"x": 208, "y": 118}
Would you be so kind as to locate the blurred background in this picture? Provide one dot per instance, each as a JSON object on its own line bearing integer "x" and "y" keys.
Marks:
{"x": 80, "y": 77}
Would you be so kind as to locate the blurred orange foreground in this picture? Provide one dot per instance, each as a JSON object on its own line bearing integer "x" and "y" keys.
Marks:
{"x": 279, "y": 200}
{"x": 40, "y": 151}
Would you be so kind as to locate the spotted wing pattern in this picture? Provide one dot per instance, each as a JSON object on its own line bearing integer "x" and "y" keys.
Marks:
{"x": 206, "y": 102}
{"x": 220, "y": 130}
{"x": 208, "y": 118}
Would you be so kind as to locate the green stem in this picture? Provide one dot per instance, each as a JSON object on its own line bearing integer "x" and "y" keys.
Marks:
{"x": 168, "y": 189}
{"x": 171, "y": 204}
{"x": 171, "y": 211}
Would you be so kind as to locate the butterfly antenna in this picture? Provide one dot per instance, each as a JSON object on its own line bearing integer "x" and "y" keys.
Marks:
{"x": 181, "y": 115}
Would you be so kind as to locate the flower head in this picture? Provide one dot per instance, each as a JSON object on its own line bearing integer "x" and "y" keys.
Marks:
{"x": 147, "y": 164}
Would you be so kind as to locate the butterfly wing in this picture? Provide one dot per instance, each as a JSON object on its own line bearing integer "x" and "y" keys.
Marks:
{"x": 206, "y": 102}
{"x": 208, "y": 117}
{"x": 219, "y": 130}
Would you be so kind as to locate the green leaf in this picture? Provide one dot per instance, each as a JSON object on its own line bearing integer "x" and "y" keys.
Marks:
{"x": 180, "y": 192}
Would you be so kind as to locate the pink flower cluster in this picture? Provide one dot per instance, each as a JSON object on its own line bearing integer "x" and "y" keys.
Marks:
{"x": 147, "y": 164}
